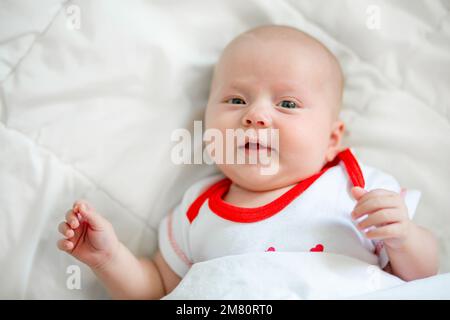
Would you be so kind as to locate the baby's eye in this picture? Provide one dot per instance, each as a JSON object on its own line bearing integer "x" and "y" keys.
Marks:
{"x": 288, "y": 104}
{"x": 235, "y": 101}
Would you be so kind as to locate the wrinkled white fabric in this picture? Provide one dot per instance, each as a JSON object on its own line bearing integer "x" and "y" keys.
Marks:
{"x": 282, "y": 275}
{"x": 88, "y": 105}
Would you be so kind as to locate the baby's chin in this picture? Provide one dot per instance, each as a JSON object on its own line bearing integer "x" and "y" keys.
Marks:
{"x": 254, "y": 177}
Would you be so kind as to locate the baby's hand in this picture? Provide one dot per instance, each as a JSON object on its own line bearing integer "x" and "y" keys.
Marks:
{"x": 88, "y": 236}
{"x": 387, "y": 216}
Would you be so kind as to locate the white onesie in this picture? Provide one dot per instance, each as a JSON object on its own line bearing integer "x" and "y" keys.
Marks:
{"x": 314, "y": 216}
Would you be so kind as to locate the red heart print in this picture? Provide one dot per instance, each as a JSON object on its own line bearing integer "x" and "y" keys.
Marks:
{"x": 270, "y": 249}
{"x": 317, "y": 248}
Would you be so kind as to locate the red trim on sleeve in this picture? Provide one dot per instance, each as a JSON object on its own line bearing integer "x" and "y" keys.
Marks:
{"x": 215, "y": 193}
{"x": 174, "y": 244}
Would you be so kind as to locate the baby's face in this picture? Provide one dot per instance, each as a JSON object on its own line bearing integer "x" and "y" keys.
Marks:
{"x": 287, "y": 83}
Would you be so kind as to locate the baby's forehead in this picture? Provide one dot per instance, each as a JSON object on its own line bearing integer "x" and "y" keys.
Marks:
{"x": 271, "y": 57}
{"x": 276, "y": 35}
{"x": 281, "y": 42}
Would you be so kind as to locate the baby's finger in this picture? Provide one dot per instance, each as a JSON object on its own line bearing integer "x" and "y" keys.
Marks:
{"x": 380, "y": 218}
{"x": 358, "y": 193}
{"x": 79, "y": 204}
{"x": 65, "y": 245}
{"x": 390, "y": 231}
{"x": 95, "y": 220}
{"x": 375, "y": 193}
{"x": 66, "y": 230}
{"x": 373, "y": 204}
{"x": 72, "y": 219}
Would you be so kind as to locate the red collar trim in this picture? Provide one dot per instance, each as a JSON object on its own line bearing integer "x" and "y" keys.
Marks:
{"x": 230, "y": 212}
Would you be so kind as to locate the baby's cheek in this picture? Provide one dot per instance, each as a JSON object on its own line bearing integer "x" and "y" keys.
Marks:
{"x": 302, "y": 150}
{"x": 220, "y": 121}
{"x": 294, "y": 139}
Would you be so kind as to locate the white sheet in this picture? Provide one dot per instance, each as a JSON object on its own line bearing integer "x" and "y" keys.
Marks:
{"x": 88, "y": 112}
{"x": 300, "y": 275}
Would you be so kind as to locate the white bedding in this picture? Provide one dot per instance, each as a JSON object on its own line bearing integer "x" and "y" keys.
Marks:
{"x": 300, "y": 275}
{"x": 88, "y": 112}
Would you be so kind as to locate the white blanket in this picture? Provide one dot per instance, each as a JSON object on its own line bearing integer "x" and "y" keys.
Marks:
{"x": 282, "y": 275}
{"x": 300, "y": 275}
{"x": 91, "y": 90}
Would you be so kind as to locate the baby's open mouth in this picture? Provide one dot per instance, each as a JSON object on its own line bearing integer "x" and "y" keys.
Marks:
{"x": 255, "y": 147}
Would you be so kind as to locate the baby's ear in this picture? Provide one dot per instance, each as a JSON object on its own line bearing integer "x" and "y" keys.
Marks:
{"x": 337, "y": 132}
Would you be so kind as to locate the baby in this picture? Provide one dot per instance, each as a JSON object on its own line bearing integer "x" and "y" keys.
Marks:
{"x": 320, "y": 199}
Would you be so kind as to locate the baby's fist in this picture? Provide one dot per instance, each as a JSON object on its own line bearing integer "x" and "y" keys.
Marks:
{"x": 88, "y": 236}
{"x": 387, "y": 216}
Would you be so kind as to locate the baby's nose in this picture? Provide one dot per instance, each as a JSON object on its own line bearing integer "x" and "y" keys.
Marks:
{"x": 257, "y": 118}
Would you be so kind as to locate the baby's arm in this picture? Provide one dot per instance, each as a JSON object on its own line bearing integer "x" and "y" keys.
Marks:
{"x": 126, "y": 277}
{"x": 91, "y": 239}
{"x": 412, "y": 250}
{"x": 417, "y": 257}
